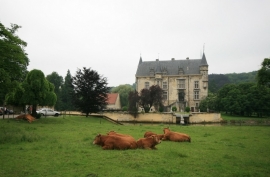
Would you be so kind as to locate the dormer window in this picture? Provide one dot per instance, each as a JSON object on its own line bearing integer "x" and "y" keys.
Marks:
{"x": 180, "y": 71}
{"x": 151, "y": 72}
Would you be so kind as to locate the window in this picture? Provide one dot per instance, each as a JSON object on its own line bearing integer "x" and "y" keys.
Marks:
{"x": 181, "y": 96}
{"x": 181, "y": 83}
{"x": 197, "y": 105}
{"x": 196, "y": 95}
{"x": 158, "y": 82}
{"x": 164, "y": 85}
{"x": 146, "y": 85}
{"x": 196, "y": 84}
{"x": 164, "y": 96}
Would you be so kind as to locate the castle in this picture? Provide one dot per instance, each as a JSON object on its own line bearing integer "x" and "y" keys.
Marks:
{"x": 184, "y": 82}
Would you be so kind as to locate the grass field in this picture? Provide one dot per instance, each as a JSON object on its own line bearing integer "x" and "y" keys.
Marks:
{"x": 63, "y": 147}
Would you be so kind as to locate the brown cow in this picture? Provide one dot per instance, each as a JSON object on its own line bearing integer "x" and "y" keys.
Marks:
{"x": 149, "y": 142}
{"x": 114, "y": 142}
{"x": 149, "y": 133}
{"x": 175, "y": 136}
{"x": 121, "y": 135}
{"x": 27, "y": 117}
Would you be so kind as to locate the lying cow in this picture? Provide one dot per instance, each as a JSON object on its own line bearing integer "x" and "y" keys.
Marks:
{"x": 149, "y": 133}
{"x": 121, "y": 135}
{"x": 149, "y": 142}
{"x": 114, "y": 142}
{"x": 175, "y": 136}
{"x": 27, "y": 117}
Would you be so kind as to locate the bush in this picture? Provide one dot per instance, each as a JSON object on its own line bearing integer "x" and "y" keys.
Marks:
{"x": 174, "y": 109}
{"x": 124, "y": 108}
{"x": 38, "y": 116}
{"x": 187, "y": 109}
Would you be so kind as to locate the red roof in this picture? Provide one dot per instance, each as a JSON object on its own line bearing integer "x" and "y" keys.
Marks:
{"x": 112, "y": 98}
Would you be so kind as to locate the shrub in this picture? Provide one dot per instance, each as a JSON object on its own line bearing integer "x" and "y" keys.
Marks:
{"x": 187, "y": 109}
{"x": 124, "y": 108}
{"x": 38, "y": 116}
{"x": 174, "y": 109}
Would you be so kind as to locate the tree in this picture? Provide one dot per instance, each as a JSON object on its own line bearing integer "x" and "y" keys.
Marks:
{"x": 263, "y": 75}
{"x": 57, "y": 81}
{"x": 123, "y": 91}
{"x": 67, "y": 93}
{"x": 133, "y": 99}
{"x": 90, "y": 91}
{"x": 156, "y": 96}
{"x": 37, "y": 91}
{"x": 145, "y": 99}
{"x": 13, "y": 59}
{"x": 151, "y": 97}
{"x": 208, "y": 103}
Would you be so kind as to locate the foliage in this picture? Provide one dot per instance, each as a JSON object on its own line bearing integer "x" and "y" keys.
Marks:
{"x": 263, "y": 76}
{"x": 228, "y": 149}
{"x": 13, "y": 59}
{"x": 57, "y": 81}
{"x": 174, "y": 109}
{"x": 133, "y": 100}
{"x": 123, "y": 91}
{"x": 124, "y": 108}
{"x": 151, "y": 97}
{"x": 217, "y": 81}
{"x": 244, "y": 99}
{"x": 67, "y": 93}
{"x": 187, "y": 109}
{"x": 208, "y": 103}
{"x": 145, "y": 99}
{"x": 38, "y": 116}
{"x": 90, "y": 91}
{"x": 37, "y": 90}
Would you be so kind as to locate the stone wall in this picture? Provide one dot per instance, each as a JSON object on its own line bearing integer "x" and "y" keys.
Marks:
{"x": 163, "y": 117}
{"x": 205, "y": 117}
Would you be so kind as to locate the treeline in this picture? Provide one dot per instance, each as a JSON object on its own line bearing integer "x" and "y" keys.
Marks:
{"x": 243, "y": 94}
{"x": 217, "y": 81}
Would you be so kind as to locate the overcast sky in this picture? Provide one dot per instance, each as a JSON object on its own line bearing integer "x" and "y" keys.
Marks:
{"x": 109, "y": 36}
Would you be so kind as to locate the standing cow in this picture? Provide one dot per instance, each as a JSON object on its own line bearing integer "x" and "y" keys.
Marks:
{"x": 148, "y": 142}
{"x": 175, "y": 136}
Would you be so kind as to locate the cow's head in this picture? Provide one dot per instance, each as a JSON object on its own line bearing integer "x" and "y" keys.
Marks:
{"x": 97, "y": 139}
{"x": 156, "y": 139}
{"x": 165, "y": 130}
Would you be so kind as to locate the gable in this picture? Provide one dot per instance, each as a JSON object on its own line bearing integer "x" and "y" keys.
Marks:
{"x": 112, "y": 97}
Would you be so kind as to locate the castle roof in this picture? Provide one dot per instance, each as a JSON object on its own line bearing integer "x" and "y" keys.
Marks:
{"x": 189, "y": 66}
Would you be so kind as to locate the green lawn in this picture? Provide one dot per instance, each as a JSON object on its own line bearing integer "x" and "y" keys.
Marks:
{"x": 63, "y": 147}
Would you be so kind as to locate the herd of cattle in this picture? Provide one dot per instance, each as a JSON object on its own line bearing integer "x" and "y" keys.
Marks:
{"x": 114, "y": 140}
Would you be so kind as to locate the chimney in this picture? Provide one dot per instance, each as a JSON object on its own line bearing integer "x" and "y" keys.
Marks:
{"x": 172, "y": 58}
{"x": 157, "y": 59}
{"x": 187, "y": 58}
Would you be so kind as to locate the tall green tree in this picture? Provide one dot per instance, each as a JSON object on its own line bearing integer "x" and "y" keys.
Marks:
{"x": 38, "y": 90}
{"x": 123, "y": 91}
{"x": 263, "y": 75}
{"x": 90, "y": 91}
{"x": 67, "y": 93}
{"x": 57, "y": 81}
{"x": 13, "y": 59}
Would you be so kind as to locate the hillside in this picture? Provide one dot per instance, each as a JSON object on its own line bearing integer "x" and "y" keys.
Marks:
{"x": 216, "y": 81}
